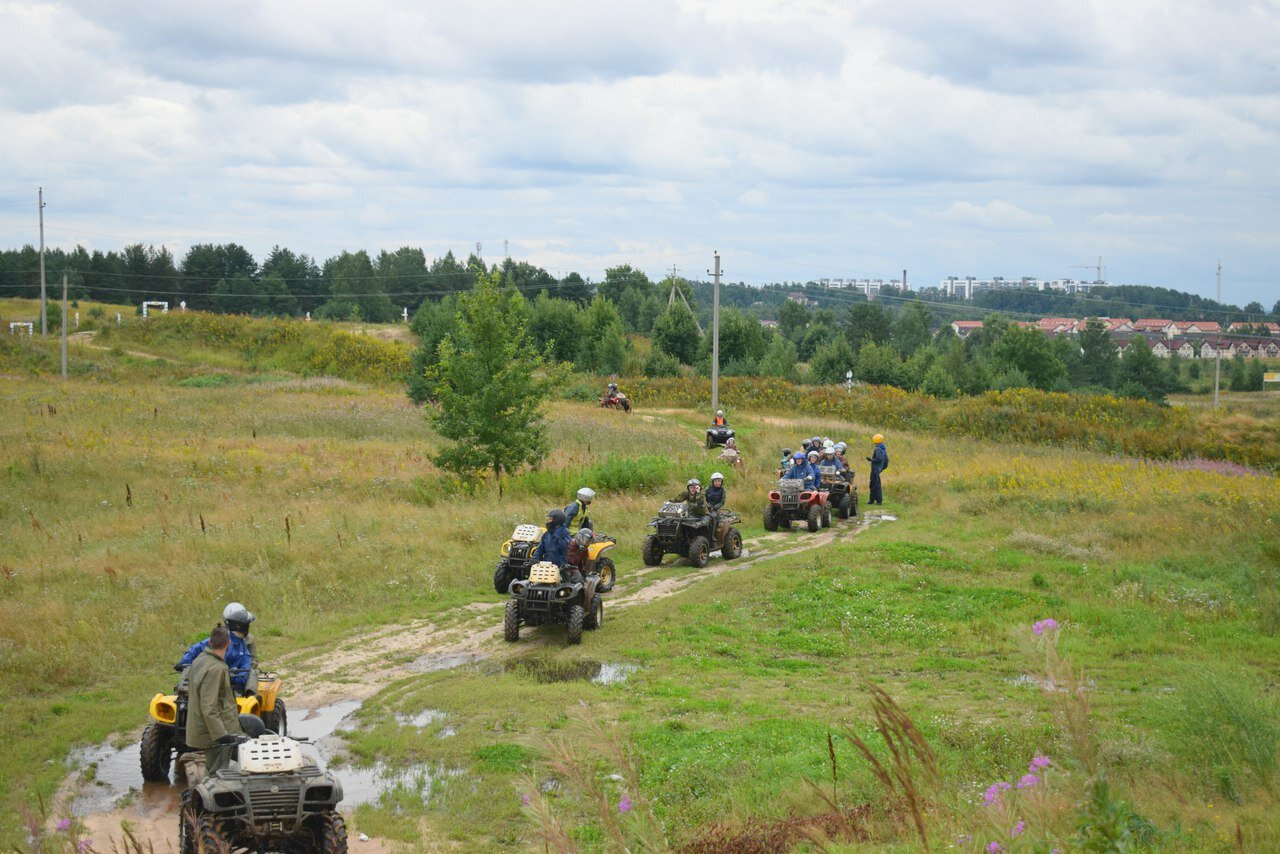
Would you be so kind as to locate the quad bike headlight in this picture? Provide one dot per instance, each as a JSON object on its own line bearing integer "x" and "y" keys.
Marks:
{"x": 518, "y": 588}
{"x": 563, "y": 592}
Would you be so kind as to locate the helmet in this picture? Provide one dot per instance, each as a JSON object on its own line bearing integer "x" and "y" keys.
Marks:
{"x": 613, "y": 385}
{"x": 731, "y": 442}
{"x": 252, "y": 725}
{"x": 813, "y": 455}
{"x": 720, "y": 413}
{"x": 693, "y": 481}
{"x": 786, "y": 452}
{"x": 586, "y": 495}
{"x": 584, "y": 536}
{"x": 828, "y": 445}
{"x": 715, "y": 475}
{"x": 799, "y": 457}
{"x": 805, "y": 444}
{"x": 816, "y": 440}
{"x": 878, "y": 438}
{"x": 237, "y": 617}
{"x": 555, "y": 517}
{"x": 840, "y": 447}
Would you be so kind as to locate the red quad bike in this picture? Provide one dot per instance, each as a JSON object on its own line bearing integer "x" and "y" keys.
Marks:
{"x": 792, "y": 501}
{"x": 619, "y": 402}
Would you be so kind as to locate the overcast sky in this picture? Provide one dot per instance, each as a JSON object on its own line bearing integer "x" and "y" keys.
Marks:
{"x": 802, "y": 140}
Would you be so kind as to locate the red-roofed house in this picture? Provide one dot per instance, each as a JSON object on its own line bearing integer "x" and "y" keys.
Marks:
{"x": 1249, "y": 328}
{"x": 1119, "y": 327}
{"x": 1214, "y": 347}
{"x": 1166, "y": 347}
{"x": 1055, "y": 325}
{"x": 1151, "y": 326}
{"x": 964, "y": 327}
{"x": 1196, "y": 327}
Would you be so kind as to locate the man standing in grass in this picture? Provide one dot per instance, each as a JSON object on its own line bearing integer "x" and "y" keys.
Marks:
{"x": 213, "y": 719}
{"x": 879, "y": 460}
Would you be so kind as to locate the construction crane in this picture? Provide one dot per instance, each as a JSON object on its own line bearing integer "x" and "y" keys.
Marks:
{"x": 1098, "y": 267}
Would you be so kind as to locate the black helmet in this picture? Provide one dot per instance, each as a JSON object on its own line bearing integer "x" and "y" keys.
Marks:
{"x": 555, "y": 517}
{"x": 252, "y": 725}
{"x": 786, "y": 452}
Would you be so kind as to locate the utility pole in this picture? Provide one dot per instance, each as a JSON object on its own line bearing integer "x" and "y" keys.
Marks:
{"x": 64, "y": 325}
{"x": 1217, "y": 364}
{"x": 715, "y": 336}
{"x": 44, "y": 310}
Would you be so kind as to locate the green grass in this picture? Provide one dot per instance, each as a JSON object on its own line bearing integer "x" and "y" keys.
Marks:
{"x": 140, "y": 496}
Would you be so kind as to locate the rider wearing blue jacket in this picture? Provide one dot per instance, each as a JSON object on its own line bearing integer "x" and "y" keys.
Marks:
{"x": 554, "y": 546}
{"x": 799, "y": 470}
{"x": 240, "y": 658}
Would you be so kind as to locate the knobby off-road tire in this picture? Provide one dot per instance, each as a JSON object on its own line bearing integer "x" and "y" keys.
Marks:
{"x": 277, "y": 720}
{"x": 575, "y": 623}
{"x": 511, "y": 622}
{"x": 710, "y": 442}
{"x": 815, "y": 519}
{"x": 699, "y": 551}
{"x": 732, "y": 547}
{"x": 187, "y": 828}
{"x": 771, "y": 517}
{"x": 154, "y": 754}
{"x": 595, "y": 614}
{"x": 651, "y": 552}
{"x": 211, "y": 834}
{"x": 826, "y": 516}
{"x": 501, "y": 578}
{"x": 332, "y": 835}
{"x": 853, "y": 505}
{"x": 608, "y": 573}
{"x": 843, "y": 509}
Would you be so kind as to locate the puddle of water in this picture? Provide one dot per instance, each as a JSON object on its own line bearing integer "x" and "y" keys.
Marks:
{"x": 888, "y": 518}
{"x": 422, "y": 719}
{"x": 368, "y": 785}
{"x": 115, "y": 776}
{"x": 546, "y": 670}
{"x": 434, "y": 661}
{"x": 317, "y": 725}
{"x": 447, "y": 732}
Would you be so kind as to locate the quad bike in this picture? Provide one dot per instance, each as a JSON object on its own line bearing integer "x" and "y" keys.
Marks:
{"x": 517, "y": 556}
{"x": 620, "y": 401}
{"x": 676, "y": 531}
{"x": 792, "y": 501}
{"x": 270, "y": 798}
{"x": 166, "y": 732}
{"x": 718, "y": 435}
{"x": 841, "y": 490}
{"x": 733, "y": 459}
{"x": 545, "y": 597}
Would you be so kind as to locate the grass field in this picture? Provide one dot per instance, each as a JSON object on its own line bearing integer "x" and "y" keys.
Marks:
{"x": 138, "y": 498}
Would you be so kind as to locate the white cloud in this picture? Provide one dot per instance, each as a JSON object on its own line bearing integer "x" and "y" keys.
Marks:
{"x": 995, "y": 214}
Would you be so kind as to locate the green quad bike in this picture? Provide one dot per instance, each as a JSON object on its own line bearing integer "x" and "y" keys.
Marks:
{"x": 545, "y": 597}
{"x": 270, "y": 798}
{"x": 676, "y": 531}
{"x": 841, "y": 490}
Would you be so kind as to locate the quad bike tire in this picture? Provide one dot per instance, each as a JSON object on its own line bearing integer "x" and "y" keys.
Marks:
{"x": 699, "y": 551}
{"x": 710, "y": 442}
{"x": 187, "y": 827}
{"x": 651, "y": 552}
{"x": 732, "y": 547}
{"x": 210, "y": 834}
{"x": 154, "y": 754}
{"x": 826, "y": 515}
{"x": 853, "y": 505}
{"x": 843, "y": 509}
{"x": 511, "y": 622}
{"x": 814, "y": 519}
{"x": 771, "y": 517}
{"x": 501, "y": 577}
{"x": 326, "y": 834}
{"x": 595, "y": 614}
{"x": 576, "y": 623}
{"x": 277, "y": 720}
{"x": 608, "y": 573}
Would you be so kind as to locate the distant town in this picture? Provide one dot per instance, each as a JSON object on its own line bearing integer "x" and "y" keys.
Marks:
{"x": 1188, "y": 339}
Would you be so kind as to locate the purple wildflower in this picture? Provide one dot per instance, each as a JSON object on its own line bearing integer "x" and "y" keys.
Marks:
{"x": 84, "y": 845}
{"x": 1018, "y": 829}
{"x": 963, "y": 839}
{"x": 993, "y": 794}
{"x": 994, "y": 847}
{"x": 525, "y": 799}
{"x": 624, "y": 805}
{"x": 64, "y": 824}
{"x": 1041, "y": 626}
{"x": 1027, "y": 781}
{"x": 1039, "y": 763}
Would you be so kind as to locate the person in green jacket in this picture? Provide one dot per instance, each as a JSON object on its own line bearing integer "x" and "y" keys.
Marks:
{"x": 213, "y": 719}
{"x": 693, "y": 496}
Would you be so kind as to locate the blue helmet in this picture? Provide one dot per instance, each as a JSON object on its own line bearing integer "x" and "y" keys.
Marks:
{"x": 799, "y": 457}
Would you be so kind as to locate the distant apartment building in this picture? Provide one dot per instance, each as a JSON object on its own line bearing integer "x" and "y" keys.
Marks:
{"x": 966, "y": 286}
{"x": 868, "y": 287}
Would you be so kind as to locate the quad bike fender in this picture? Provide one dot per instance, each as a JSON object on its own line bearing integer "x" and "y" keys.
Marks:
{"x": 505, "y": 550}
{"x": 164, "y": 708}
{"x": 268, "y": 690}
{"x": 589, "y": 585}
{"x": 249, "y": 706}
{"x": 595, "y": 550}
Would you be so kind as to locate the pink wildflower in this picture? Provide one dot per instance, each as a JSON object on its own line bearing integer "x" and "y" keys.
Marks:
{"x": 624, "y": 805}
{"x": 64, "y": 824}
{"x": 1027, "y": 781}
{"x": 963, "y": 839}
{"x": 993, "y": 794}
{"x": 1018, "y": 829}
{"x": 1041, "y": 626}
{"x": 1039, "y": 763}
{"x": 994, "y": 847}
{"x": 525, "y": 799}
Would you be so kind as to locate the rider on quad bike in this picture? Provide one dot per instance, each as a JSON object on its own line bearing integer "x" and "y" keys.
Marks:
{"x": 241, "y": 655}
{"x": 580, "y": 504}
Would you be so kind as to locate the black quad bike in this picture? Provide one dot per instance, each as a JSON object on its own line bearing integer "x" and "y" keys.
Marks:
{"x": 518, "y": 554}
{"x": 841, "y": 490}
{"x": 676, "y": 531}
{"x": 545, "y": 597}
{"x": 718, "y": 435}
{"x": 270, "y": 798}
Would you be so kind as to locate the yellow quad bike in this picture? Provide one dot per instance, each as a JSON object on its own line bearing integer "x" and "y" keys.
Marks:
{"x": 520, "y": 553}
{"x": 165, "y": 734}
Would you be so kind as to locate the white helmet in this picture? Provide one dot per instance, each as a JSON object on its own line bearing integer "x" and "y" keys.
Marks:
{"x": 720, "y": 412}
{"x": 715, "y": 475}
{"x": 586, "y": 495}
{"x": 841, "y": 447}
{"x": 828, "y": 445}
{"x": 237, "y": 617}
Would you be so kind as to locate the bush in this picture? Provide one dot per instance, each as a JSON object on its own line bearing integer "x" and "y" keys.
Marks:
{"x": 661, "y": 364}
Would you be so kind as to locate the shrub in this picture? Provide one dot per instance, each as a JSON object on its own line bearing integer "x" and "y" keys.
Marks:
{"x": 661, "y": 364}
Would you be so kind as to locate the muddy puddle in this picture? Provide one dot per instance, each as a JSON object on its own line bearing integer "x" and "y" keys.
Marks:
{"x": 547, "y": 670}
{"x": 434, "y": 661}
